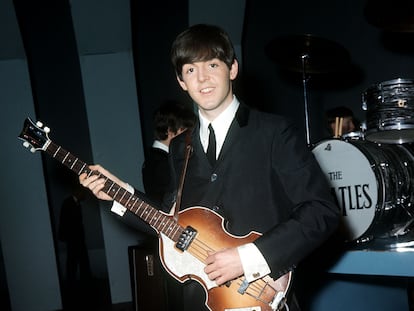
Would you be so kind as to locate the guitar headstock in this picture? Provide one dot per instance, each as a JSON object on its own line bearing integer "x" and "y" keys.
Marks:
{"x": 34, "y": 135}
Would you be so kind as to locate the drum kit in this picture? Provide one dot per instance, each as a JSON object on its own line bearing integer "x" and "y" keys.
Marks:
{"x": 371, "y": 171}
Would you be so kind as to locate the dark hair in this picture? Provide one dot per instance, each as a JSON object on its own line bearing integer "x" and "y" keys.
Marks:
{"x": 340, "y": 112}
{"x": 172, "y": 116}
{"x": 201, "y": 42}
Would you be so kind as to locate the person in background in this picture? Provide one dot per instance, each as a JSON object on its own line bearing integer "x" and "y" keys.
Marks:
{"x": 170, "y": 120}
{"x": 341, "y": 121}
{"x": 252, "y": 168}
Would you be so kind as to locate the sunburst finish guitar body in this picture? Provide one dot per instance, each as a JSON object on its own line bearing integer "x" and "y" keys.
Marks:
{"x": 184, "y": 243}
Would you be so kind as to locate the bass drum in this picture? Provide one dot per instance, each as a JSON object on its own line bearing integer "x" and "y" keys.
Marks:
{"x": 373, "y": 185}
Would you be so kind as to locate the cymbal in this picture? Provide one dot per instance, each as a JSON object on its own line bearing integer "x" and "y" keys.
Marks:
{"x": 322, "y": 55}
{"x": 394, "y": 16}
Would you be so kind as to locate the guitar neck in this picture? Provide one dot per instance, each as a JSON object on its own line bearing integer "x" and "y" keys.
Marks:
{"x": 159, "y": 221}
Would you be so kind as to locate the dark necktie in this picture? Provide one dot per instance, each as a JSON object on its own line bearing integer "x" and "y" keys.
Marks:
{"x": 211, "y": 149}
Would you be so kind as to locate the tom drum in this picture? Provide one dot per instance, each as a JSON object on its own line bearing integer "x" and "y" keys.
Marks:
{"x": 390, "y": 111}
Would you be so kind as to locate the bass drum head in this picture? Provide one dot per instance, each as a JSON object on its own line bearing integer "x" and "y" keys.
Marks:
{"x": 352, "y": 181}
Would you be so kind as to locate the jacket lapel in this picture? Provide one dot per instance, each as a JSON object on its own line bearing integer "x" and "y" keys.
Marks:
{"x": 240, "y": 121}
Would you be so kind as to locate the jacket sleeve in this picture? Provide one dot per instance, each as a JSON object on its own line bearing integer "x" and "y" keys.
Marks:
{"x": 314, "y": 215}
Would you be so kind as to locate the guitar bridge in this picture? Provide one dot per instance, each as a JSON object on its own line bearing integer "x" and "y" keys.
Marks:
{"x": 243, "y": 287}
{"x": 185, "y": 239}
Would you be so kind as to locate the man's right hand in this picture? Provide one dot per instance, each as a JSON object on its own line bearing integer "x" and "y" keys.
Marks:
{"x": 95, "y": 183}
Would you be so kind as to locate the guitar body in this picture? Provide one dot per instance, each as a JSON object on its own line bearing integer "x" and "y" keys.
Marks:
{"x": 185, "y": 266}
{"x": 184, "y": 243}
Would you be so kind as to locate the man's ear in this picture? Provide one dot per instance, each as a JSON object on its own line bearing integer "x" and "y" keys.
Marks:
{"x": 181, "y": 83}
{"x": 234, "y": 70}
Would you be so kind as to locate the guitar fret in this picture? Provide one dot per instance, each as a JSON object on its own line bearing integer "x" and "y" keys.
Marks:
{"x": 172, "y": 226}
{"x": 145, "y": 214}
{"x": 138, "y": 207}
{"x": 80, "y": 171}
{"x": 116, "y": 188}
{"x": 144, "y": 210}
{"x": 66, "y": 155}
{"x": 110, "y": 188}
{"x": 57, "y": 150}
{"x": 133, "y": 204}
{"x": 73, "y": 164}
{"x": 165, "y": 222}
{"x": 69, "y": 160}
{"x": 168, "y": 234}
{"x": 175, "y": 233}
{"x": 129, "y": 198}
{"x": 157, "y": 219}
{"x": 151, "y": 215}
{"x": 120, "y": 200}
{"x": 166, "y": 226}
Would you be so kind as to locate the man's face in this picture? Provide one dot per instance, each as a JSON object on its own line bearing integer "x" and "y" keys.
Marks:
{"x": 209, "y": 84}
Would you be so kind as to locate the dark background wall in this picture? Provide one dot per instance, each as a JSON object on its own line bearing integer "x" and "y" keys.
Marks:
{"x": 376, "y": 54}
{"x": 56, "y": 41}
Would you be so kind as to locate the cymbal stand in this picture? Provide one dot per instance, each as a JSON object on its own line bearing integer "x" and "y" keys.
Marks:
{"x": 305, "y": 57}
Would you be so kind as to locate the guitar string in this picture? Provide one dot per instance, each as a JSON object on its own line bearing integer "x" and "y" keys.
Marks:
{"x": 199, "y": 248}
{"x": 205, "y": 249}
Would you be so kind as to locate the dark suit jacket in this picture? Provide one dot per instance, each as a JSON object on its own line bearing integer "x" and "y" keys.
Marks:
{"x": 265, "y": 179}
{"x": 156, "y": 174}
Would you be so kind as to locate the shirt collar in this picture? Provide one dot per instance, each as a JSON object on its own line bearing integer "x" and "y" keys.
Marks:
{"x": 221, "y": 125}
{"x": 158, "y": 144}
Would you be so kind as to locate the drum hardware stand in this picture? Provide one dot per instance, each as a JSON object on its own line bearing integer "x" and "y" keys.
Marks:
{"x": 406, "y": 228}
{"x": 307, "y": 54}
{"x": 305, "y": 57}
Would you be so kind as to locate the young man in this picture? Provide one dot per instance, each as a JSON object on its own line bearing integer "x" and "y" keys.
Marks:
{"x": 264, "y": 177}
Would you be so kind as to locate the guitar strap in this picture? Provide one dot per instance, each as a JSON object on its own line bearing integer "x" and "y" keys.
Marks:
{"x": 187, "y": 151}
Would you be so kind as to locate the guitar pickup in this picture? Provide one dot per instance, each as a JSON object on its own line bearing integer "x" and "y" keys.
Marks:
{"x": 185, "y": 238}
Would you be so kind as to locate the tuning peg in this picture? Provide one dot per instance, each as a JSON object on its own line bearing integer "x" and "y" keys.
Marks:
{"x": 46, "y": 129}
{"x": 32, "y": 150}
{"x": 26, "y": 144}
{"x": 39, "y": 124}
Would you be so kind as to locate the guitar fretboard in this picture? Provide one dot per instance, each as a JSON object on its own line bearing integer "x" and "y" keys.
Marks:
{"x": 159, "y": 221}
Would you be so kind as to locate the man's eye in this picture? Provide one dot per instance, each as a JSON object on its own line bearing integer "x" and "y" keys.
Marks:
{"x": 213, "y": 65}
{"x": 190, "y": 70}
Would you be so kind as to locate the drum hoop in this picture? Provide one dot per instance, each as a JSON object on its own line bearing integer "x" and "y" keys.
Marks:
{"x": 391, "y": 82}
